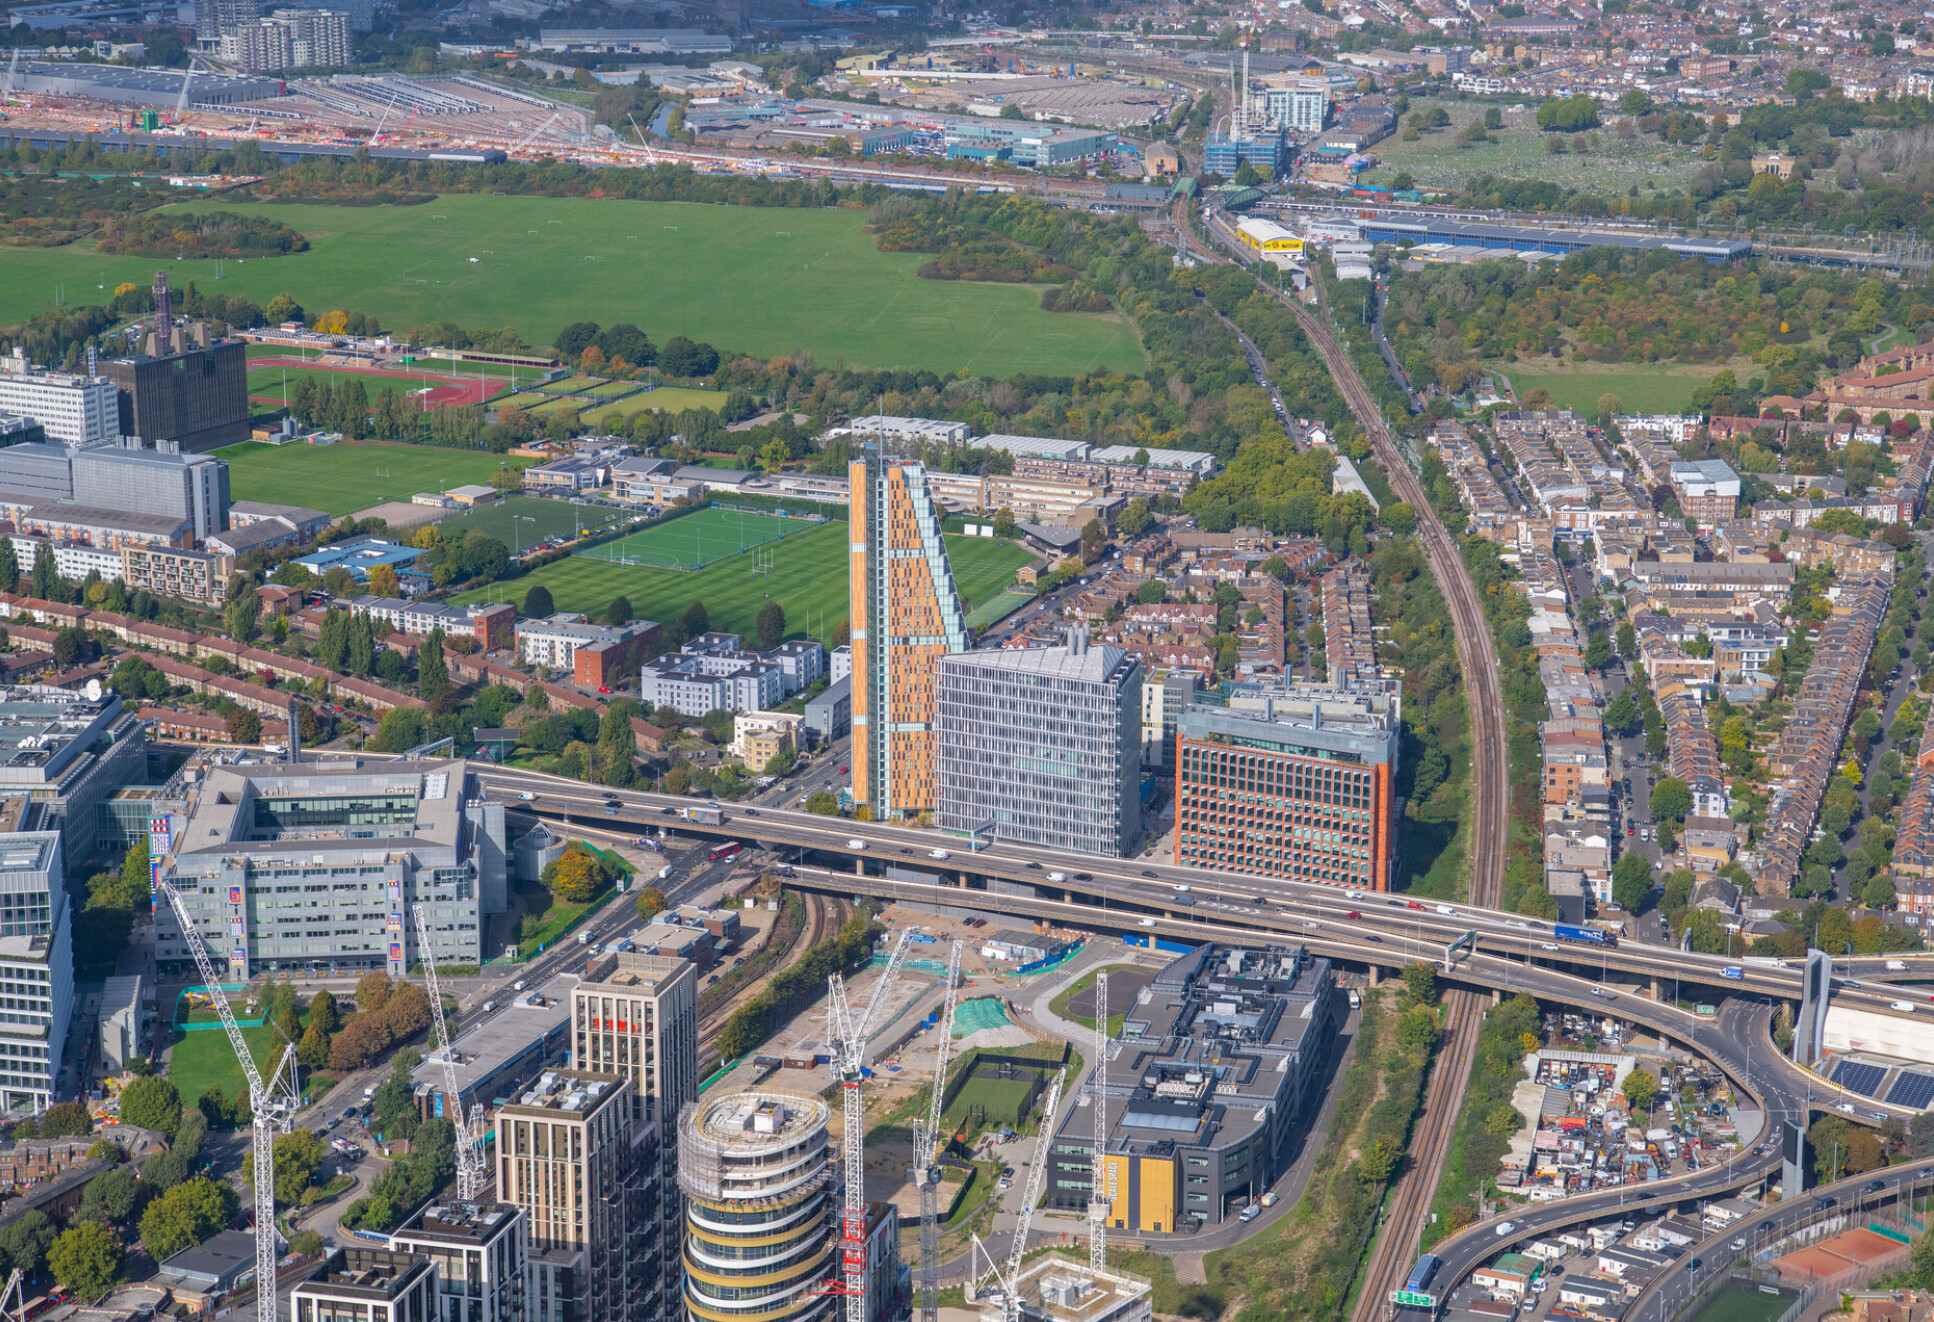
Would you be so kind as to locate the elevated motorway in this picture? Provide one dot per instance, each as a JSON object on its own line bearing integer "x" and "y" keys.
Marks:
{"x": 1088, "y": 891}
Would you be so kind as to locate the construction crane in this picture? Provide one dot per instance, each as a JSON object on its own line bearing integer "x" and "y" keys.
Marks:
{"x": 1009, "y": 1279}
{"x": 13, "y": 1300}
{"x": 1098, "y": 1101}
{"x": 926, "y": 1154}
{"x": 847, "y": 1047}
{"x": 472, "y": 1175}
{"x": 529, "y": 137}
{"x": 273, "y": 1106}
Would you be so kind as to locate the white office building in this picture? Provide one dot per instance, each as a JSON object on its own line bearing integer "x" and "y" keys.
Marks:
{"x": 68, "y": 407}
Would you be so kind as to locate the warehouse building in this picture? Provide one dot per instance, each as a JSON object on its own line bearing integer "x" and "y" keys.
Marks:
{"x": 1218, "y": 1068}
{"x": 160, "y": 88}
{"x": 1269, "y": 241}
{"x": 285, "y": 867}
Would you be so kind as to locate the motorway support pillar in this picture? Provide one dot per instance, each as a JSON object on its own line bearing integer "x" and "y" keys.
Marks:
{"x": 1497, "y": 997}
{"x": 1376, "y": 975}
{"x": 963, "y": 879}
{"x": 859, "y": 865}
{"x": 1658, "y": 988}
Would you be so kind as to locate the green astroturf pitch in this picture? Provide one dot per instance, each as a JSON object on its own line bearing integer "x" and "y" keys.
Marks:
{"x": 755, "y": 280}
{"x": 809, "y": 580}
{"x": 519, "y": 522}
{"x": 699, "y": 539}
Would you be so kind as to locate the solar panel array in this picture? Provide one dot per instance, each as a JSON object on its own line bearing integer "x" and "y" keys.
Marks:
{"x": 1915, "y": 1090}
{"x": 1856, "y": 1077}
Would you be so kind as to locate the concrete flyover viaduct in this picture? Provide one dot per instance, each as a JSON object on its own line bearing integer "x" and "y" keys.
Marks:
{"x": 1379, "y": 933}
{"x": 1091, "y": 891}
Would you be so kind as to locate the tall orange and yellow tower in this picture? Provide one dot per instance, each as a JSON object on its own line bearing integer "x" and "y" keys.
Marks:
{"x": 906, "y": 613}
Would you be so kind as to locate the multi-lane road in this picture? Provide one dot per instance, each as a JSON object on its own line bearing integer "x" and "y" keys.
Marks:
{"x": 1112, "y": 893}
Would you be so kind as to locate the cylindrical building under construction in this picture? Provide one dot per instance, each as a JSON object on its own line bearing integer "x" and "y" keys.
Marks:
{"x": 755, "y": 1167}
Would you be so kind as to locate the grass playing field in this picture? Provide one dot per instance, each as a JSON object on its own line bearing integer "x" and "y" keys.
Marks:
{"x": 339, "y": 479}
{"x": 268, "y": 381}
{"x": 811, "y": 583}
{"x": 727, "y": 275}
{"x": 699, "y": 539}
{"x": 1641, "y": 388}
{"x": 518, "y": 521}
{"x": 204, "y": 1059}
{"x": 1744, "y": 1303}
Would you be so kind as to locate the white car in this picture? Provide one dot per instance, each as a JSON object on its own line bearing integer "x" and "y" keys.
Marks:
{"x": 526, "y": 796}
{"x": 1057, "y": 876}
{"x": 1181, "y": 888}
{"x": 856, "y": 844}
{"x": 1352, "y": 895}
{"x": 1506, "y": 1227}
{"x": 940, "y": 855}
{"x": 1445, "y": 908}
{"x": 1148, "y": 922}
{"x": 1548, "y": 946}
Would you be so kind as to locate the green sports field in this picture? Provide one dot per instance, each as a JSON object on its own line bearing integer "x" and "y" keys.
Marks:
{"x": 810, "y": 582}
{"x": 699, "y": 539}
{"x": 353, "y": 475}
{"x": 519, "y": 521}
{"x": 726, "y": 275}
{"x": 1737, "y": 1302}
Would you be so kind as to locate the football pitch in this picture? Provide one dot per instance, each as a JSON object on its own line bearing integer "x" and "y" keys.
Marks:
{"x": 521, "y": 521}
{"x": 809, "y": 579}
{"x": 352, "y": 475}
{"x": 755, "y": 280}
{"x": 701, "y": 539}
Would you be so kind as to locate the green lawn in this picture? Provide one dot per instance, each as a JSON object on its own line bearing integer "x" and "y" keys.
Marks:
{"x": 727, "y": 275}
{"x": 522, "y": 399}
{"x": 998, "y": 607}
{"x": 504, "y": 519}
{"x": 353, "y": 475}
{"x": 1641, "y": 388}
{"x": 810, "y": 584}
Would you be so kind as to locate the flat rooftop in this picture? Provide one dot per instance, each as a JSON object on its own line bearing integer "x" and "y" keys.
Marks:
{"x": 570, "y": 1092}
{"x": 634, "y": 972}
{"x": 485, "y": 1048}
{"x": 459, "y": 1223}
{"x": 270, "y": 808}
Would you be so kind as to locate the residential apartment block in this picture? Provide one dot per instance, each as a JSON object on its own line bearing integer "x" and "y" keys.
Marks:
{"x": 906, "y": 614}
{"x": 597, "y": 655}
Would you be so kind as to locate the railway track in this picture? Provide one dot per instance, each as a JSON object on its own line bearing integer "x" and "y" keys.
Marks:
{"x": 1416, "y": 1189}
{"x": 824, "y": 915}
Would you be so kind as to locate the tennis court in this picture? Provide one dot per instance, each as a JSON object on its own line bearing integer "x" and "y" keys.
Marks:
{"x": 699, "y": 539}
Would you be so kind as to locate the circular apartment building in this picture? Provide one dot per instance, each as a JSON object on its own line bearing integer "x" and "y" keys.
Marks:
{"x": 756, "y": 1171}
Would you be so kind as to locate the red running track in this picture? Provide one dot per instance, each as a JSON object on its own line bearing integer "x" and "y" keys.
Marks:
{"x": 445, "y": 388}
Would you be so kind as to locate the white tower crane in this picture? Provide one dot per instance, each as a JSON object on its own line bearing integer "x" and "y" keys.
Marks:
{"x": 273, "y": 1104}
{"x": 529, "y": 137}
{"x": 1098, "y": 1101}
{"x": 847, "y": 1048}
{"x": 926, "y": 1152}
{"x": 472, "y": 1175}
{"x": 1010, "y": 1279}
{"x": 13, "y": 1301}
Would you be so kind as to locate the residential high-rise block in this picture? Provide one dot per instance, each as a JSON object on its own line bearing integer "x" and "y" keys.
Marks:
{"x": 481, "y": 1252}
{"x": 1042, "y": 745}
{"x": 1291, "y": 781}
{"x": 757, "y": 1170}
{"x": 906, "y": 614}
{"x": 636, "y": 1016}
{"x": 565, "y": 1156}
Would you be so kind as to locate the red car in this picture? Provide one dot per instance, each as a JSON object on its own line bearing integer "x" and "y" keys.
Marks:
{"x": 1353, "y": 914}
{"x": 842, "y": 771}
{"x": 1631, "y": 830}
{"x": 1412, "y": 904}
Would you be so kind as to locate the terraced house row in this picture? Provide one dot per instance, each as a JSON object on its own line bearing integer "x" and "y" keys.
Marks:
{"x": 1808, "y": 749}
